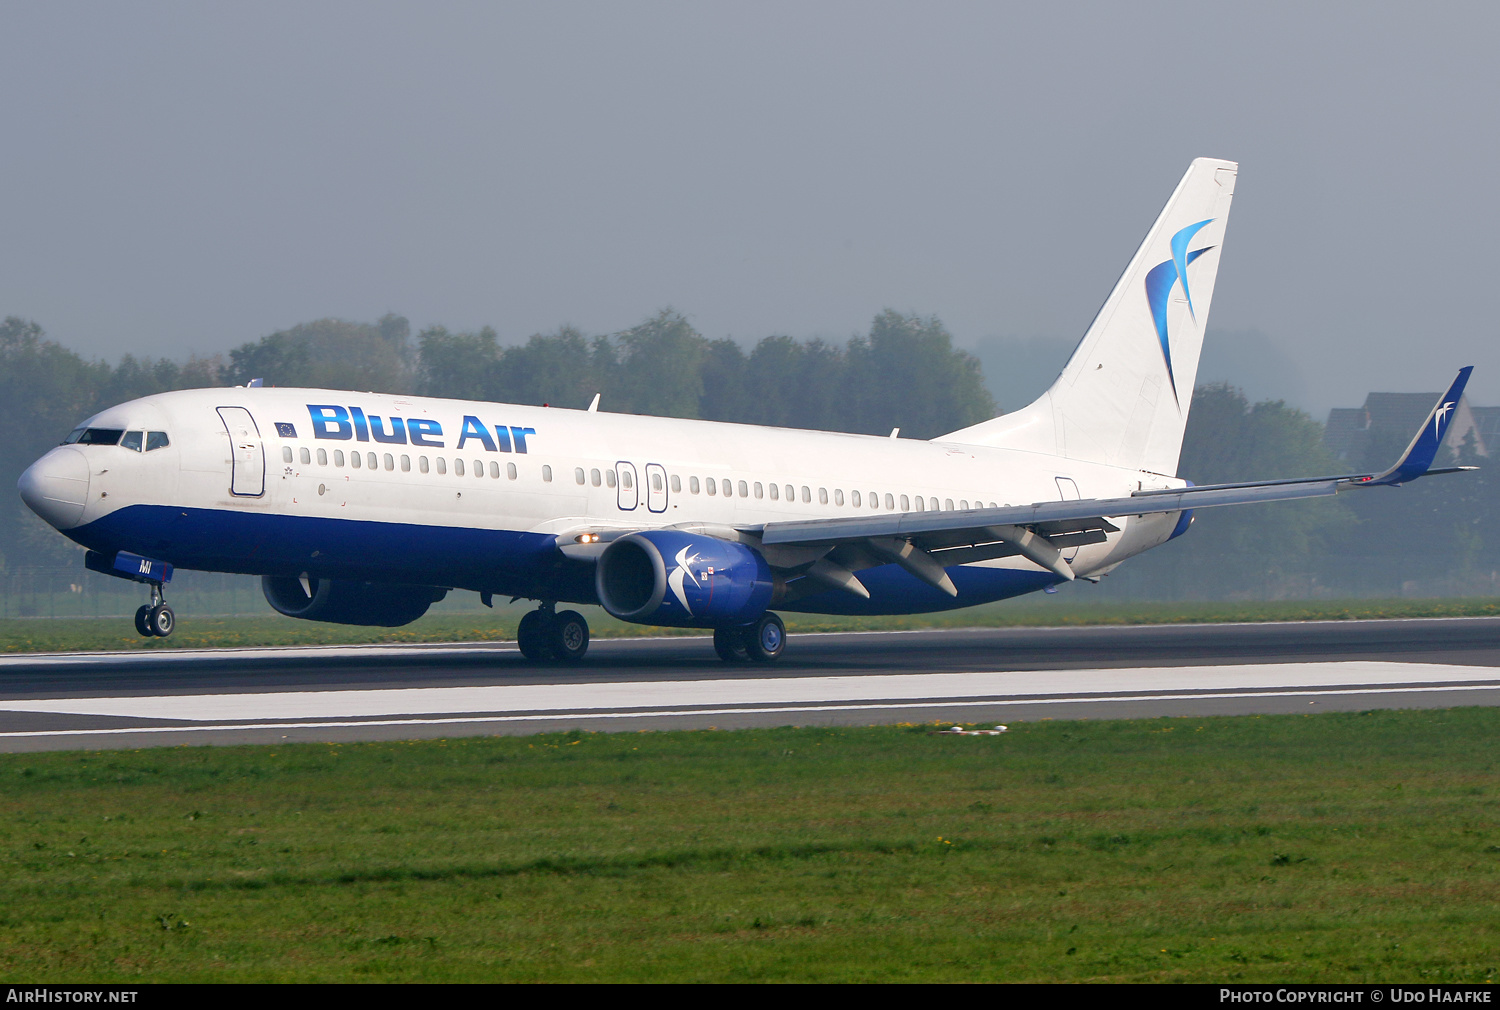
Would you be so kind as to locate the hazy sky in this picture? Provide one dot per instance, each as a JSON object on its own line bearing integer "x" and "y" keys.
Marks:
{"x": 186, "y": 177}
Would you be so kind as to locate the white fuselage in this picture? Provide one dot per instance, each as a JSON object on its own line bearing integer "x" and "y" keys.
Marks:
{"x": 290, "y": 475}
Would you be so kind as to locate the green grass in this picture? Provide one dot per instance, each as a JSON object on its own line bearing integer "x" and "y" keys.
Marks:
{"x": 110, "y": 633}
{"x": 1336, "y": 847}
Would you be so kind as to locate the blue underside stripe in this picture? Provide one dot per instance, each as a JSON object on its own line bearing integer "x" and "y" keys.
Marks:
{"x": 503, "y": 562}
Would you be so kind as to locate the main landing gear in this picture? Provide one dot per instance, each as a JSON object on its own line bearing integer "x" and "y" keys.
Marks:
{"x": 546, "y": 636}
{"x": 760, "y": 642}
{"x": 155, "y": 619}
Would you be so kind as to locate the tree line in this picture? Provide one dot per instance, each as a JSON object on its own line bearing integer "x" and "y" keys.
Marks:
{"x": 904, "y": 372}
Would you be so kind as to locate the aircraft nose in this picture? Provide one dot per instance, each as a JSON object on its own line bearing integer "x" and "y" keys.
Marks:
{"x": 56, "y": 487}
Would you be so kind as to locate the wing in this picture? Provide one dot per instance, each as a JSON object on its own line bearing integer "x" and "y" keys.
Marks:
{"x": 816, "y": 554}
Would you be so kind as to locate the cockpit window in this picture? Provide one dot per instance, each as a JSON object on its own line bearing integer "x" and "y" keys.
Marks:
{"x": 156, "y": 440}
{"x": 96, "y": 436}
{"x": 132, "y": 440}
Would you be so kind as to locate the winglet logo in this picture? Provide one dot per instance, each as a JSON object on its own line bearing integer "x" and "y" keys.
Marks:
{"x": 1440, "y": 418}
{"x": 1159, "y": 283}
{"x": 679, "y": 573}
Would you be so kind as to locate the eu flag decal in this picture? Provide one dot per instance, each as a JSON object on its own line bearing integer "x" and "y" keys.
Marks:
{"x": 286, "y": 429}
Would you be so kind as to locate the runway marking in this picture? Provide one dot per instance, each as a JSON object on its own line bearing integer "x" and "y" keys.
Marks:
{"x": 660, "y": 713}
{"x": 451, "y": 649}
{"x": 883, "y": 690}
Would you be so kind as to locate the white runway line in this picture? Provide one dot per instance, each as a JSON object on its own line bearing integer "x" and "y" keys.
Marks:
{"x": 658, "y": 713}
{"x": 158, "y": 657}
{"x": 801, "y": 693}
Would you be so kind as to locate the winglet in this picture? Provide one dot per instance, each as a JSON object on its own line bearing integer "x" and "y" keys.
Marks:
{"x": 1417, "y": 460}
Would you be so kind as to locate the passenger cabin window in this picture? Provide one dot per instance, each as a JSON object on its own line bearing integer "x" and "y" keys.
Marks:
{"x": 547, "y": 475}
{"x": 609, "y": 478}
{"x": 356, "y": 460}
{"x": 775, "y": 492}
{"x": 406, "y": 464}
{"x": 838, "y": 496}
{"x": 710, "y": 485}
{"x": 442, "y": 465}
{"x": 338, "y": 457}
{"x": 578, "y": 475}
{"x": 727, "y": 486}
{"x": 422, "y": 464}
{"x": 370, "y": 460}
{"x": 676, "y": 484}
{"x": 905, "y": 503}
{"x": 744, "y": 490}
{"x": 286, "y": 450}
{"x": 458, "y": 468}
{"x": 322, "y": 457}
{"x": 656, "y": 484}
{"x": 791, "y": 493}
{"x": 479, "y": 468}
{"x": 760, "y": 491}
{"x": 627, "y": 476}
{"x": 494, "y": 471}
{"x": 806, "y": 494}
{"x": 305, "y": 454}
{"x": 822, "y": 496}
{"x": 594, "y": 477}
{"x": 890, "y": 503}
{"x": 133, "y": 440}
{"x": 693, "y": 485}
{"x": 854, "y": 498}
{"x": 510, "y": 470}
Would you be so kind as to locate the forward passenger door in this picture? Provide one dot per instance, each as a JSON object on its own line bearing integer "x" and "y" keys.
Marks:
{"x": 247, "y": 451}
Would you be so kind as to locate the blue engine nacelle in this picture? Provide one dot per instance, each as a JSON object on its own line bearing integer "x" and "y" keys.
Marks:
{"x": 683, "y": 580}
{"x": 341, "y": 601}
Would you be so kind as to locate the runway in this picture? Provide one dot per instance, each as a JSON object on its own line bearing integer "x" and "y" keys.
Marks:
{"x": 174, "y": 697}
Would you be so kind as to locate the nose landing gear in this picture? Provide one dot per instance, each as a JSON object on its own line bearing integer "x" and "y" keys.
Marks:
{"x": 155, "y": 619}
{"x": 546, "y": 636}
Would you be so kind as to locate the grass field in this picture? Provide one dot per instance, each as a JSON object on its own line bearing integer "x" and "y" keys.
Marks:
{"x": 1337, "y": 847}
{"x": 111, "y": 633}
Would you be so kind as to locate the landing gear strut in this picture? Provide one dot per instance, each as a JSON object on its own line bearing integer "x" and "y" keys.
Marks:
{"x": 155, "y": 619}
{"x": 760, "y": 642}
{"x": 546, "y": 636}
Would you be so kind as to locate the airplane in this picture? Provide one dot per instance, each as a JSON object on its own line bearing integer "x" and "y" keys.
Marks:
{"x": 365, "y": 508}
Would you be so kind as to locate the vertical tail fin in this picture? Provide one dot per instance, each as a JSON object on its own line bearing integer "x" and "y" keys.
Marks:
{"x": 1123, "y": 396}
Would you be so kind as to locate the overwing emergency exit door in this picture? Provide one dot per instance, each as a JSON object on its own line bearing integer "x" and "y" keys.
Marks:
{"x": 247, "y": 451}
{"x": 656, "y": 487}
{"x": 625, "y": 480}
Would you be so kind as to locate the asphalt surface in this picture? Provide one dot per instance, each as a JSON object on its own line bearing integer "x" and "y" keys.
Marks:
{"x": 172, "y": 697}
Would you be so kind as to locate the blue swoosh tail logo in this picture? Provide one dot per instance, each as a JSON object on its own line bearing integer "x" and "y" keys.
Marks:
{"x": 1159, "y": 282}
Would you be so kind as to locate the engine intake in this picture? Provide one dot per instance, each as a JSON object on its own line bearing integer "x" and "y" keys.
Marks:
{"x": 340, "y": 601}
{"x": 683, "y": 580}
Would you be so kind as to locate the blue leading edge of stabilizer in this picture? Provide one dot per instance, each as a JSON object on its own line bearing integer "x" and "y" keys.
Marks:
{"x": 1417, "y": 460}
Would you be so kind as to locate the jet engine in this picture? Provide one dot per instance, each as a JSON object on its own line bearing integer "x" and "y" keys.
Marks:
{"x": 672, "y": 578}
{"x": 341, "y": 601}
